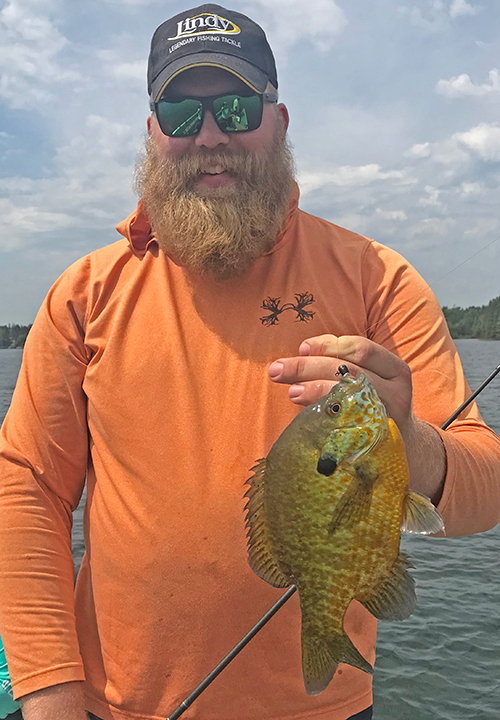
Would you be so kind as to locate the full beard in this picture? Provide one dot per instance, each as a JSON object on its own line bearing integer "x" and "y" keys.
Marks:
{"x": 221, "y": 231}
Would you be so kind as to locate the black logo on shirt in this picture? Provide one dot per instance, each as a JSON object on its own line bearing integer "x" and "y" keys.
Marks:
{"x": 302, "y": 300}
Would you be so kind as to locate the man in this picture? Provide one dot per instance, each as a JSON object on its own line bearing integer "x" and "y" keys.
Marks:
{"x": 148, "y": 371}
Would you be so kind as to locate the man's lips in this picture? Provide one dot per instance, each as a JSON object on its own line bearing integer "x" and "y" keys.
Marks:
{"x": 213, "y": 169}
{"x": 214, "y": 177}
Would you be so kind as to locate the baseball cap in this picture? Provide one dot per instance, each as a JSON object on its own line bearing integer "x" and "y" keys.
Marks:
{"x": 210, "y": 35}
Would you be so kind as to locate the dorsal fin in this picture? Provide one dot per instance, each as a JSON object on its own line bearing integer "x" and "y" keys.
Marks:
{"x": 260, "y": 556}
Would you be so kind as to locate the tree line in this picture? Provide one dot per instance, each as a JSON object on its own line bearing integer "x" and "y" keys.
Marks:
{"x": 13, "y": 336}
{"x": 475, "y": 322}
{"x": 472, "y": 322}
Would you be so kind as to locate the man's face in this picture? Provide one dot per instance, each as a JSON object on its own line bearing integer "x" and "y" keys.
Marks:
{"x": 203, "y": 82}
{"x": 217, "y": 201}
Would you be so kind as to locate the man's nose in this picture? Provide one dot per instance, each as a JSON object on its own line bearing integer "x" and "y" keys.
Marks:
{"x": 210, "y": 135}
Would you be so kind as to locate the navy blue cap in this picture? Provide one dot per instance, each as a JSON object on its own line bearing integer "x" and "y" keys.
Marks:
{"x": 210, "y": 35}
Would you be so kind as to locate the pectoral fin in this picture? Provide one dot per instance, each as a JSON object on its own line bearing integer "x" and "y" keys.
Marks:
{"x": 394, "y": 598}
{"x": 420, "y": 516}
{"x": 260, "y": 555}
{"x": 354, "y": 505}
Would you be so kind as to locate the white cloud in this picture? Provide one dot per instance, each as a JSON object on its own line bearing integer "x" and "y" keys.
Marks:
{"x": 346, "y": 176}
{"x": 391, "y": 214}
{"x": 288, "y": 22}
{"x": 432, "y": 198}
{"x": 471, "y": 189}
{"x": 20, "y": 222}
{"x": 437, "y": 14}
{"x": 432, "y": 227}
{"x": 483, "y": 228}
{"x": 352, "y": 221}
{"x": 92, "y": 182}
{"x": 131, "y": 70}
{"x": 29, "y": 44}
{"x": 133, "y": 2}
{"x": 462, "y": 86}
{"x": 419, "y": 150}
{"x": 449, "y": 152}
{"x": 115, "y": 66}
{"x": 484, "y": 139}
{"x": 459, "y": 8}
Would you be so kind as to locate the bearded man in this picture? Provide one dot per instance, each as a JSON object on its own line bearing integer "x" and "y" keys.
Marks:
{"x": 147, "y": 374}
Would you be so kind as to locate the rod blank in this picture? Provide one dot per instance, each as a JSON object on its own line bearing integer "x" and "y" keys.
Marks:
{"x": 232, "y": 654}
{"x": 471, "y": 398}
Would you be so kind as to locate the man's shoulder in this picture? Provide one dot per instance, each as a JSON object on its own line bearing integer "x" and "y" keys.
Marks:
{"x": 345, "y": 238}
{"x": 100, "y": 261}
{"x": 83, "y": 278}
{"x": 103, "y": 256}
{"x": 332, "y": 230}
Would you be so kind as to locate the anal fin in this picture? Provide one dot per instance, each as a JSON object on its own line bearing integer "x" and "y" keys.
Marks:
{"x": 394, "y": 598}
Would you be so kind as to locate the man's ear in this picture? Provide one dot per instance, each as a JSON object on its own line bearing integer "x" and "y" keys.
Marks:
{"x": 149, "y": 124}
{"x": 285, "y": 117}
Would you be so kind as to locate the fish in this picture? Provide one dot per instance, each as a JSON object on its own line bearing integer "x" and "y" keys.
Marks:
{"x": 325, "y": 511}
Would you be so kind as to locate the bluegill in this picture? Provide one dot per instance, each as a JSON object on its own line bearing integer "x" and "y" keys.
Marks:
{"x": 325, "y": 512}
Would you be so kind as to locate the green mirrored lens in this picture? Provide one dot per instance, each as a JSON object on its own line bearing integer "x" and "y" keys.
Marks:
{"x": 233, "y": 113}
{"x": 237, "y": 113}
{"x": 180, "y": 119}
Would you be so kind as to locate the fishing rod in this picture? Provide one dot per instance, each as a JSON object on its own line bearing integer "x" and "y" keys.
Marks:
{"x": 474, "y": 395}
{"x": 291, "y": 590}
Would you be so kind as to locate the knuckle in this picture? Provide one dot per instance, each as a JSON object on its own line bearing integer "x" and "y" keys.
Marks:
{"x": 328, "y": 345}
{"x": 363, "y": 351}
{"x": 301, "y": 366}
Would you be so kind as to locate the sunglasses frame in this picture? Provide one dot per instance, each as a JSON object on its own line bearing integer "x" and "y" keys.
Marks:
{"x": 207, "y": 104}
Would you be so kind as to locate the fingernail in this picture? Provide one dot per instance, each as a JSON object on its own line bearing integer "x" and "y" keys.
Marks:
{"x": 275, "y": 369}
{"x": 305, "y": 349}
{"x": 295, "y": 391}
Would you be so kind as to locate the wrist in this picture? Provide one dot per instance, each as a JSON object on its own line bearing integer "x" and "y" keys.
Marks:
{"x": 426, "y": 458}
{"x": 59, "y": 702}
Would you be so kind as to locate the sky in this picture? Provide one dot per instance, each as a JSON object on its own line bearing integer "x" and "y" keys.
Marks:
{"x": 395, "y": 123}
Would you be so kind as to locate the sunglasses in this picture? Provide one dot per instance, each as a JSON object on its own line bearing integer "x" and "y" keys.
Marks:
{"x": 233, "y": 113}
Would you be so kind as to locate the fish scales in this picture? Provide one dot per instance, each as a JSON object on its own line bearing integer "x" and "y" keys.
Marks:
{"x": 325, "y": 512}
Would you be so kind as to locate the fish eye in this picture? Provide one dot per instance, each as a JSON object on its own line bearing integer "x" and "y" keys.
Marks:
{"x": 335, "y": 408}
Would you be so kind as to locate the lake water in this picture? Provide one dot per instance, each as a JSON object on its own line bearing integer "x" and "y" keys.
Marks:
{"x": 443, "y": 663}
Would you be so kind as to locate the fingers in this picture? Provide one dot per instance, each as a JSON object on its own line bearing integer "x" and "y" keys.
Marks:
{"x": 360, "y": 351}
{"x": 309, "y": 392}
{"x": 302, "y": 369}
{"x": 314, "y": 371}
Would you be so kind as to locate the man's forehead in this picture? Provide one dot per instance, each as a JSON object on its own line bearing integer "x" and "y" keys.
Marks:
{"x": 205, "y": 80}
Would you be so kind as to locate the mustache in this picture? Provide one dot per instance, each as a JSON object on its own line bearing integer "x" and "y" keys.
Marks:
{"x": 187, "y": 168}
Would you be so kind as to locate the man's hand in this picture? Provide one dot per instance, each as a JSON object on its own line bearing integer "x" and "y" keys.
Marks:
{"x": 312, "y": 374}
{"x": 59, "y": 702}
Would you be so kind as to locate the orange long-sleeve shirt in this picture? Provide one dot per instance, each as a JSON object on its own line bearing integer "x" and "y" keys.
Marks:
{"x": 153, "y": 385}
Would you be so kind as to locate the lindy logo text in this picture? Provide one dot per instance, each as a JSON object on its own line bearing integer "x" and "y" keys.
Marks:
{"x": 205, "y": 23}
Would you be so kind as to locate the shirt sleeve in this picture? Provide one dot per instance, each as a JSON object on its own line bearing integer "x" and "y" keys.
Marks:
{"x": 43, "y": 461}
{"x": 405, "y": 317}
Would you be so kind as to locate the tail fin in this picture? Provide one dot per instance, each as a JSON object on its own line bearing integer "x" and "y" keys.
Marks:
{"x": 321, "y": 656}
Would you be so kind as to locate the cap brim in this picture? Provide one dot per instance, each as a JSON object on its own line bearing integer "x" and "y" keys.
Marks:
{"x": 244, "y": 70}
